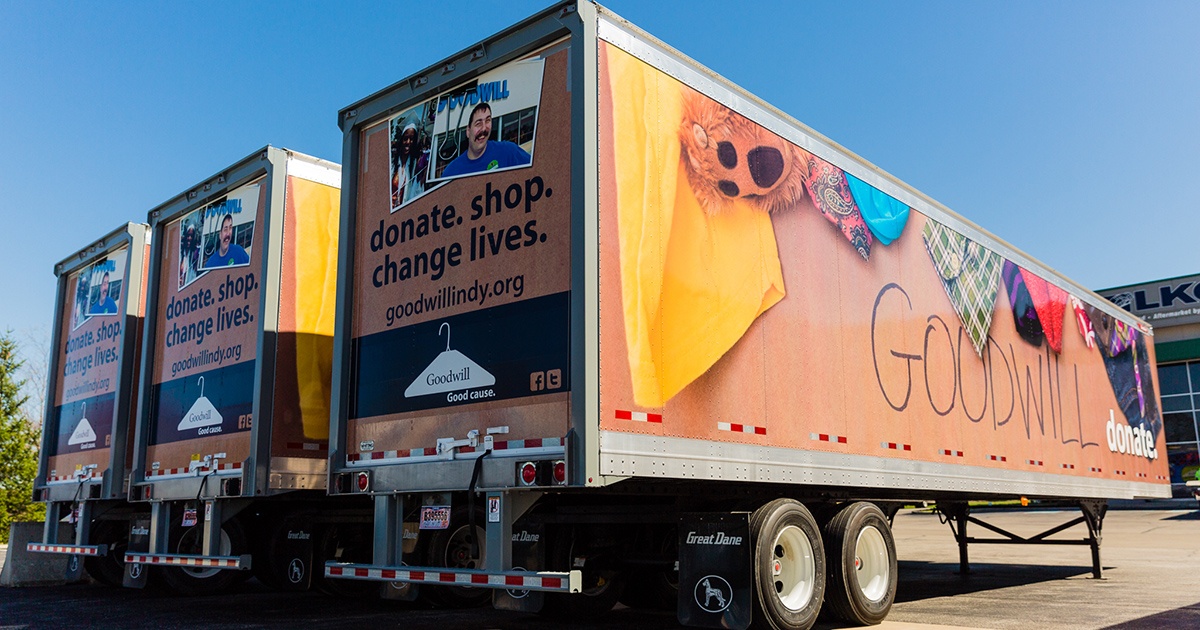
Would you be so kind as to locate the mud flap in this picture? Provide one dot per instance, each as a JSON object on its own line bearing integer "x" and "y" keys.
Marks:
{"x": 715, "y": 571}
{"x": 290, "y": 553}
{"x": 528, "y": 554}
{"x": 139, "y": 542}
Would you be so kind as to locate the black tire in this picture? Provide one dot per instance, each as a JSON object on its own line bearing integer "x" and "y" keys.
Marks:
{"x": 108, "y": 569}
{"x": 862, "y": 564}
{"x": 603, "y": 583}
{"x": 344, "y": 543}
{"x": 655, "y": 589}
{"x": 451, "y": 548}
{"x": 789, "y": 566}
{"x": 198, "y": 581}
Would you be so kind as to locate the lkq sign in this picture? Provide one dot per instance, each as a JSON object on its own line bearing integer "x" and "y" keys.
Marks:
{"x": 1163, "y": 303}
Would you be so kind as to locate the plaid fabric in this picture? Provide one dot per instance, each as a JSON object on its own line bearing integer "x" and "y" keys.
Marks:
{"x": 970, "y": 273}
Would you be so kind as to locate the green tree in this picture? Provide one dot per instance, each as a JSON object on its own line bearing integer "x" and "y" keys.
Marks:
{"x": 19, "y": 441}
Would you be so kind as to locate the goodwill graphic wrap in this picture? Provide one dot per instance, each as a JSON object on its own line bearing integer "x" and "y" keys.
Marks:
{"x": 742, "y": 318}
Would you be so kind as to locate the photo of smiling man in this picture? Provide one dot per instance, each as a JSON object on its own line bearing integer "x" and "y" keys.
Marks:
{"x": 489, "y": 124}
{"x": 484, "y": 154}
{"x": 228, "y": 230}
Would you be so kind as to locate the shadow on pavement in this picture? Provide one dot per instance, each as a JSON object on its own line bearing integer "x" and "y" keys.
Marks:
{"x": 1186, "y": 617}
{"x": 927, "y": 580}
{"x": 1186, "y": 516}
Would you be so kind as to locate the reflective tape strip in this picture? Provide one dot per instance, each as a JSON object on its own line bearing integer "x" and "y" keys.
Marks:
{"x": 560, "y": 582}
{"x": 431, "y": 452}
{"x": 894, "y": 446}
{"x": 741, "y": 428}
{"x": 78, "y": 550}
{"x": 1120, "y": 472}
{"x": 199, "y": 470}
{"x": 1068, "y": 466}
{"x": 218, "y": 562}
{"x": 1096, "y": 470}
{"x": 997, "y": 458}
{"x": 639, "y": 416}
{"x": 1034, "y": 462}
{"x": 825, "y": 437}
{"x": 952, "y": 453}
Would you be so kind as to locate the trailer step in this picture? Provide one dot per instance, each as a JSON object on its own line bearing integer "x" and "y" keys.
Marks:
{"x": 571, "y": 582}
{"x": 76, "y": 550}
{"x": 241, "y": 562}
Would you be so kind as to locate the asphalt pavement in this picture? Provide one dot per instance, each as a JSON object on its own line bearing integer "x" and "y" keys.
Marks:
{"x": 1150, "y": 560}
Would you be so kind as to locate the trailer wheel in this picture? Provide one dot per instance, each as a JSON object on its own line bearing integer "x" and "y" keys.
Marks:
{"x": 108, "y": 569}
{"x": 200, "y": 581}
{"x": 344, "y": 543}
{"x": 789, "y": 565}
{"x": 862, "y": 567}
{"x": 603, "y": 581}
{"x": 451, "y": 548}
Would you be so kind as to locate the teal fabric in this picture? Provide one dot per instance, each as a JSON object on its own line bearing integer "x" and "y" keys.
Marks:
{"x": 885, "y": 216}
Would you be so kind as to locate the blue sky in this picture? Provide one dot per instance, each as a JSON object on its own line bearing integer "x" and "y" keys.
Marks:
{"x": 1069, "y": 129}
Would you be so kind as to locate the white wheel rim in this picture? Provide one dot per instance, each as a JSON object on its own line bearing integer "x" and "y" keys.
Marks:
{"x": 793, "y": 568}
{"x": 226, "y": 549}
{"x": 871, "y": 564}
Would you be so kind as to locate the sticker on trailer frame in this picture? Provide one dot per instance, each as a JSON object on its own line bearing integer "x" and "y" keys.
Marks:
{"x": 189, "y": 517}
{"x": 435, "y": 517}
{"x": 493, "y": 509}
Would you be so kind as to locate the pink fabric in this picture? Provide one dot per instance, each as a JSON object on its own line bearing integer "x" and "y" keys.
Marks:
{"x": 1084, "y": 322}
{"x": 1050, "y": 302}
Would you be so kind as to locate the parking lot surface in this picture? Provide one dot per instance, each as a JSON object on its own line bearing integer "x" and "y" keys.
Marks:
{"x": 1150, "y": 560}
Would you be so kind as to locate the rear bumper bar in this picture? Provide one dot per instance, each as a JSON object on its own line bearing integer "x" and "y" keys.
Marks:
{"x": 513, "y": 580}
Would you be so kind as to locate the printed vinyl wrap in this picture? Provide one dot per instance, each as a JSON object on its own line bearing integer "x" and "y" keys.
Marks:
{"x": 461, "y": 295}
{"x": 829, "y": 350}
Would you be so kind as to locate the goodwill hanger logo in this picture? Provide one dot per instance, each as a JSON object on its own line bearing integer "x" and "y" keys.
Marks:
{"x": 202, "y": 414}
{"x": 84, "y": 432}
{"x": 450, "y": 371}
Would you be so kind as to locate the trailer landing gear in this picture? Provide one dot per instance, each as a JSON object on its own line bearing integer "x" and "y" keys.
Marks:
{"x": 958, "y": 514}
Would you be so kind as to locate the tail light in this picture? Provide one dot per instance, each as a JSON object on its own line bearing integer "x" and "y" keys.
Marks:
{"x": 362, "y": 481}
{"x": 560, "y": 472}
{"x": 528, "y": 473}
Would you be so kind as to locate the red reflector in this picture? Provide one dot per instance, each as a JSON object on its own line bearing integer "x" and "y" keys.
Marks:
{"x": 335, "y": 571}
{"x": 552, "y": 582}
{"x": 418, "y": 576}
{"x": 361, "y": 573}
{"x": 528, "y": 473}
{"x": 560, "y": 471}
{"x": 514, "y": 580}
{"x": 479, "y": 579}
{"x": 445, "y": 577}
{"x": 388, "y": 573}
{"x": 364, "y": 481}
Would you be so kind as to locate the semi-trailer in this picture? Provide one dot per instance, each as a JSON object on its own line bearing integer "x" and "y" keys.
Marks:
{"x": 610, "y": 327}
{"x": 229, "y": 462}
{"x": 86, "y": 449}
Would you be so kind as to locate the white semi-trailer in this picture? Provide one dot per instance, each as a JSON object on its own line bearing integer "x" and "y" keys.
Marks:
{"x": 609, "y": 327}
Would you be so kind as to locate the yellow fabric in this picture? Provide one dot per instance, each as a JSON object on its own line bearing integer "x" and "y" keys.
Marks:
{"x": 691, "y": 284}
{"x": 316, "y": 219}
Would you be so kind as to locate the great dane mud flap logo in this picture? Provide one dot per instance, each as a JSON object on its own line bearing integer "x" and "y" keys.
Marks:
{"x": 73, "y": 564}
{"x": 135, "y": 570}
{"x": 296, "y": 571}
{"x": 450, "y": 371}
{"x": 713, "y": 593}
{"x": 202, "y": 414}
